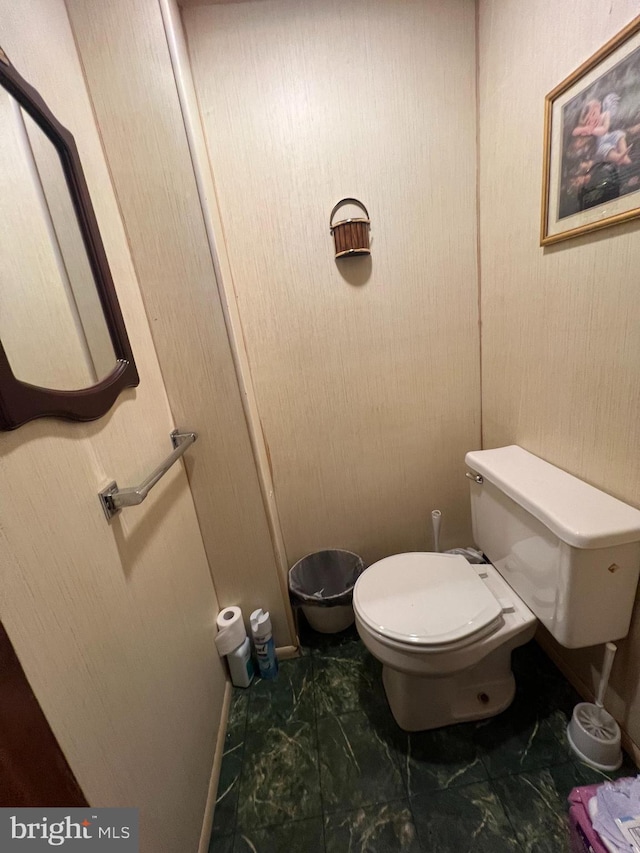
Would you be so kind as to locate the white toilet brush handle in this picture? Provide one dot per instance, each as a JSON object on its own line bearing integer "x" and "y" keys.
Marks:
{"x": 436, "y": 518}
{"x": 609, "y": 654}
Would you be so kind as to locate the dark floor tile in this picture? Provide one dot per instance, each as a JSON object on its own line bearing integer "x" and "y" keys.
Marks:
{"x": 224, "y": 816}
{"x": 306, "y": 836}
{"x": 557, "y": 721}
{"x": 280, "y": 780}
{"x": 470, "y": 784}
{"x": 540, "y": 681}
{"x": 536, "y": 804}
{"x": 283, "y": 699}
{"x": 440, "y": 758}
{"x": 237, "y": 721}
{"x": 520, "y": 739}
{"x": 465, "y": 820}
{"x": 357, "y": 767}
{"x": 347, "y": 678}
{"x": 221, "y": 844}
{"x": 592, "y": 776}
{"x": 386, "y": 828}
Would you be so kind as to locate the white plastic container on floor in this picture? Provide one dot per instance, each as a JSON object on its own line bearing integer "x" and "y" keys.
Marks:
{"x": 329, "y": 620}
{"x": 592, "y": 732}
{"x": 232, "y": 642}
{"x": 241, "y": 665}
{"x": 322, "y": 584}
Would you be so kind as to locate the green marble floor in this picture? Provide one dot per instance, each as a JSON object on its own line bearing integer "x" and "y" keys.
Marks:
{"x": 314, "y": 763}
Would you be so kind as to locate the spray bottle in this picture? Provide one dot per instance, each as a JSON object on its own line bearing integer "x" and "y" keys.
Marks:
{"x": 263, "y": 643}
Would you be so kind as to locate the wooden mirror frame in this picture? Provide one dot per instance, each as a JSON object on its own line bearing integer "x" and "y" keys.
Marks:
{"x": 21, "y": 402}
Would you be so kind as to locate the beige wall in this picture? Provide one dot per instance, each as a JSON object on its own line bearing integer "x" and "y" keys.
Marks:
{"x": 113, "y": 624}
{"x": 366, "y": 373}
{"x": 134, "y": 95}
{"x": 560, "y": 331}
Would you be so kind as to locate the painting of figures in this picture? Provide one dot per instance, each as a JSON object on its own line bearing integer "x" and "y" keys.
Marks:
{"x": 592, "y": 139}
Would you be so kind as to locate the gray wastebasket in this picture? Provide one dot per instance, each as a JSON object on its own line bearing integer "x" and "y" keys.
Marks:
{"x": 322, "y": 585}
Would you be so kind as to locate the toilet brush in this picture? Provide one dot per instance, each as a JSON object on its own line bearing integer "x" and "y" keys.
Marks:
{"x": 592, "y": 732}
{"x": 436, "y": 518}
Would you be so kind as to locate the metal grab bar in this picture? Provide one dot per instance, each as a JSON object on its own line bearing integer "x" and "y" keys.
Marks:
{"x": 113, "y": 499}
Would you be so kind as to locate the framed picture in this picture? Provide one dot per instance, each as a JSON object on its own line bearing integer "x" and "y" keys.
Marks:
{"x": 591, "y": 173}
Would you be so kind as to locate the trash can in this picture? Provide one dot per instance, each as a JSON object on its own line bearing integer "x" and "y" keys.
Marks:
{"x": 322, "y": 585}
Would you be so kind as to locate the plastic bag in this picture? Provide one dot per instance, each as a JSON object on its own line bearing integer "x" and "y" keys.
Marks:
{"x": 325, "y": 578}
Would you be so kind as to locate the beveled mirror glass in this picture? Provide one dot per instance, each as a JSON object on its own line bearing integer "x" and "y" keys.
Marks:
{"x": 64, "y": 350}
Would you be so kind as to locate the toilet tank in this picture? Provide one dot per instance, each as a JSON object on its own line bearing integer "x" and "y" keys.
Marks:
{"x": 570, "y": 551}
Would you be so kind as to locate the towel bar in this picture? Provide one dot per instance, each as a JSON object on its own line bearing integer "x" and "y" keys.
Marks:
{"x": 113, "y": 499}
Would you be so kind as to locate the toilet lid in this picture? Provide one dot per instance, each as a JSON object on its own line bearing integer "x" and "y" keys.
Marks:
{"x": 424, "y": 599}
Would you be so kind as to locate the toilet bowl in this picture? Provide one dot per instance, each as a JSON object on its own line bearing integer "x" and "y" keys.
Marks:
{"x": 561, "y": 552}
{"x": 444, "y": 636}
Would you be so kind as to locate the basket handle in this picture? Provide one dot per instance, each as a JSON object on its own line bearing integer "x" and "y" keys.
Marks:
{"x": 346, "y": 201}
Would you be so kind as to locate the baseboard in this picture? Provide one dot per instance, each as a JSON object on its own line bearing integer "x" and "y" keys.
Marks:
{"x": 287, "y": 652}
{"x": 207, "y": 820}
{"x": 543, "y": 640}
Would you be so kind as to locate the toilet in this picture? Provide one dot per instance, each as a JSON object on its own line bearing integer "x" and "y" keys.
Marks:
{"x": 561, "y": 553}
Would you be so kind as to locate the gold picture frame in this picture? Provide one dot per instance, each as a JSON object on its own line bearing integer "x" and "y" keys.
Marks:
{"x": 591, "y": 168}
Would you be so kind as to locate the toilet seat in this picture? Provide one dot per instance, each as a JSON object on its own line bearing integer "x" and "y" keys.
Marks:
{"x": 426, "y": 602}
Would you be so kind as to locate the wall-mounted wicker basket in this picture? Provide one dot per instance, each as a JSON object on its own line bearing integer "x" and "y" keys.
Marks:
{"x": 351, "y": 235}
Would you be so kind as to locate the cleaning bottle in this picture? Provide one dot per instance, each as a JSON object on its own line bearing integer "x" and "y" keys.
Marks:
{"x": 241, "y": 665}
{"x": 263, "y": 643}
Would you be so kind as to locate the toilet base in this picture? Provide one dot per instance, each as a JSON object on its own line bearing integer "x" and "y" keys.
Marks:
{"x": 420, "y": 702}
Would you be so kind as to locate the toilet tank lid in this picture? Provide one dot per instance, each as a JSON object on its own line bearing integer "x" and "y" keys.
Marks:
{"x": 578, "y": 514}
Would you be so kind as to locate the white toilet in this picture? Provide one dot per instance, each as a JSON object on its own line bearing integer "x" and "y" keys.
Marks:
{"x": 561, "y": 552}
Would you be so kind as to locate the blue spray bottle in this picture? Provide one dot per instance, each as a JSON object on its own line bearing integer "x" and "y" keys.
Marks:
{"x": 263, "y": 643}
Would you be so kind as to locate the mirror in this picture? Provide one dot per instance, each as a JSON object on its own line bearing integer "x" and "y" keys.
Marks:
{"x": 51, "y": 322}
{"x": 64, "y": 350}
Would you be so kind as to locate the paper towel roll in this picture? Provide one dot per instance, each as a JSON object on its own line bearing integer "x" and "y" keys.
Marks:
{"x": 231, "y": 630}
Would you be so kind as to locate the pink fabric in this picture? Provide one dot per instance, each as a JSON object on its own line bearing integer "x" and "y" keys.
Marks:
{"x": 583, "y": 794}
{"x": 583, "y": 836}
